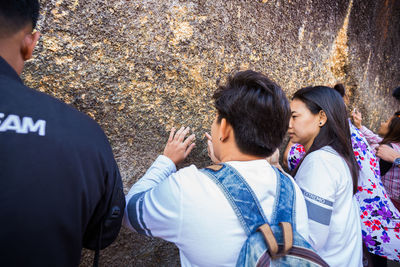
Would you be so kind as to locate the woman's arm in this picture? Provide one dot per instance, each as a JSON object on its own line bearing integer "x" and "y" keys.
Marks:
{"x": 285, "y": 157}
{"x": 387, "y": 153}
{"x": 372, "y": 138}
{"x": 293, "y": 155}
{"x": 319, "y": 195}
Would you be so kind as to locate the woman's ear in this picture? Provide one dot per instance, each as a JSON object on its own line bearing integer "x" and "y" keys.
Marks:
{"x": 322, "y": 118}
{"x": 28, "y": 44}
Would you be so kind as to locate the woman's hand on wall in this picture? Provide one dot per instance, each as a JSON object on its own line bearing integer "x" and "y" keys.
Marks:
{"x": 357, "y": 118}
{"x": 178, "y": 148}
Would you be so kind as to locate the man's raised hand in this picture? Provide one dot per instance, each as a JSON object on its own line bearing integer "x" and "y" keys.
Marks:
{"x": 178, "y": 148}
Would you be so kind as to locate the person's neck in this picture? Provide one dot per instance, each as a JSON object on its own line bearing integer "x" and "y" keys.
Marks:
{"x": 13, "y": 59}
{"x": 244, "y": 158}
{"x": 234, "y": 154}
{"x": 10, "y": 50}
{"x": 308, "y": 146}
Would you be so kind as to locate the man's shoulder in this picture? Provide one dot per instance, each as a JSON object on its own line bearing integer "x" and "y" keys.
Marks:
{"x": 190, "y": 171}
{"x": 321, "y": 160}
{"x": 191, "y": 177}
{"x": 325, "y": 154}
{"x": 326, "y": 162}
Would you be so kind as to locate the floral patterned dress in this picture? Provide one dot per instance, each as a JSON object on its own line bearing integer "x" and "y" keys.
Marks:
{"x": 380, "y": 220}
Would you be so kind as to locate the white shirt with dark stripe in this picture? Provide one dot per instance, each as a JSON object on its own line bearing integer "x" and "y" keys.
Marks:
{"x": 187, "y": 208}
{"x": 334, "y": 223}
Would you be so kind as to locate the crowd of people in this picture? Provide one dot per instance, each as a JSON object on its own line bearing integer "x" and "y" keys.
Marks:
{"x": 61, "y": 190}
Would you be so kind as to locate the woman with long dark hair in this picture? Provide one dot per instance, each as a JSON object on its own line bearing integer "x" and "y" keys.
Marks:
{"x": 379, "y": 217}
{"x": 327, "y": 174}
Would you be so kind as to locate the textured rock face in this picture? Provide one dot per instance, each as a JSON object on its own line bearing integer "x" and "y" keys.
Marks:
{"x": 139, "y": 67}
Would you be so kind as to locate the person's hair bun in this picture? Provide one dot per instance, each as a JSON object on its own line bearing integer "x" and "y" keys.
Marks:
{"x": 396, "y": 93}
{"x": 340, "y": 89}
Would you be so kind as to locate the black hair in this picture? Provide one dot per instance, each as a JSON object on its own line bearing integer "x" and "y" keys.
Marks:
{"x": 257, "y": 109}
{"x": 16, "y": 14}
{"x": 336, "y": 131}
{"x": 396, "y": 93}
{"x": 340, "y": 89}
{"x": 393, "y": 134}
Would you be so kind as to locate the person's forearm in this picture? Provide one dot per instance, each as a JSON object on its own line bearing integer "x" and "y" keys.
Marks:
{"x": 393, "y": 157}
{"x": 387, "y": 153}
{"x": 159, "y": 170}
{"x": 371, "y": 137}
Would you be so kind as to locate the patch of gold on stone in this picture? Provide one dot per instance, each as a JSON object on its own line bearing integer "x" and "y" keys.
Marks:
{"x": 75, "y": 5}
{"x": 63, "y": 60}
{"x": 121, "y": 107}
{"x": 195, "y": 72}
{"x": 339, "y": 58}
{"x": 182, "y": 32}
{"x": 244, "y": 66}
{"x": 91, "y": 115}
{"x": 57, "y": 14}
{"x": 301, "y": 33}
{"x": 51, "y": 43}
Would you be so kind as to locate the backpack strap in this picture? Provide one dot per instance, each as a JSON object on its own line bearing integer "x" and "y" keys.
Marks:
{"x": 245, "y": 203}
{"x": 248, "y": 209}
{"x": 240, "y": 196}
{"x": 284, "y": 210}
{"x": 269, "y": 237}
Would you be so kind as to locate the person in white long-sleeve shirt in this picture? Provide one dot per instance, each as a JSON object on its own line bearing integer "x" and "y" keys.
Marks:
{"x": 328, "y": 174}
{"x": 186, "y": 207}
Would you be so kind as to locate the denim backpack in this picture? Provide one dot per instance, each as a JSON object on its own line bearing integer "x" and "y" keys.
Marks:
{"x": 268, "y": 244}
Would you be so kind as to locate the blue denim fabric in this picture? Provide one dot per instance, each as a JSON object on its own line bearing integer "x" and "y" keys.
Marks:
{"x": 240, "y": 195}
{"x": 251, "y": 216}
{"x": 244, "y": 202}
{"x": 284, "y": 210}
{"x": 255, "y": 246}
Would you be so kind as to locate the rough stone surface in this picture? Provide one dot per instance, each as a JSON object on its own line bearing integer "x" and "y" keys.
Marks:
{"x": 140, "y": 67}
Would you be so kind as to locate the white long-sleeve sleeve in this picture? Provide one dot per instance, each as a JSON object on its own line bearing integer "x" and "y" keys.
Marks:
{"x": 154, "y": 202}
{"x": 317, "y": 182}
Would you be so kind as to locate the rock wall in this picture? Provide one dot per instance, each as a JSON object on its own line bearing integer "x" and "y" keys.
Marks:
{"x": 140, "y": 67}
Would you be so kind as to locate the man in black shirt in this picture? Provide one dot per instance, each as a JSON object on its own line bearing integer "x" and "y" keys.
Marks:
{"x": 60, "y": 187}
